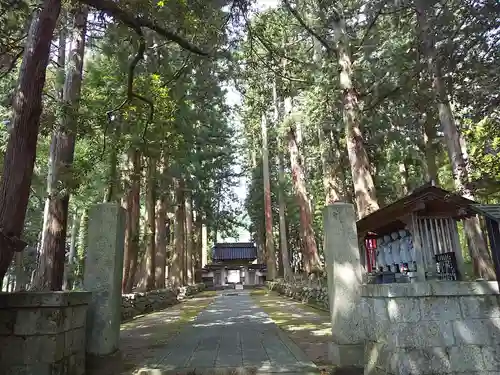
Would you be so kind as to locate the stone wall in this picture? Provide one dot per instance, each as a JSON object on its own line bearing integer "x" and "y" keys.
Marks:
{"x": 299, "y": 291}
{"x": 134, "y": 304}
{"x": 43, "y": 333}
{"x": 431, "y": 328}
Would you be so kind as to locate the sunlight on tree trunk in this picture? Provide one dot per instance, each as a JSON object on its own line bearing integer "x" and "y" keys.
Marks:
{"x": 161, "y": 231}
{"x": 151, "y": 224}
{"x": 364, "y": 188}
{"x": 177, "y": 265}
{"x": 310, "y": 250}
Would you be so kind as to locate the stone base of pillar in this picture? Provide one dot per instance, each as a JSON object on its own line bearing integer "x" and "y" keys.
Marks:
{"x": 347, "y": 356}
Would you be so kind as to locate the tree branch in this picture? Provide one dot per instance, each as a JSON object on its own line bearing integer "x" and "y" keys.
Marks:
{"x": 307, "y": 28}
{"x": 370, "y": 25}
{"x": 12, "y": 63}
{"x": 178, "y": 74}
{"x": 136, "y": 22}
{"x": 131, "y": 94}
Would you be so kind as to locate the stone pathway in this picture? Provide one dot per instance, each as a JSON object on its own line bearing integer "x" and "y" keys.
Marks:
{"x": 232, "y": 335}
{"x": 308, "y": 327}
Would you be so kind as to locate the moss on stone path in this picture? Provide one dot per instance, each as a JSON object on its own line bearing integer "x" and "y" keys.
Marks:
{"x": 308, "y": 327}
{"x": 189, "y": 309}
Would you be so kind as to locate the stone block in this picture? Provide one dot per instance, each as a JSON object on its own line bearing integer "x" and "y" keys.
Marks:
{"x": 477, "y": 331}
{"x": 33, "y": 369}
{"x": 375, "y": 318}
{"x": 480, "y": 307}
{"x": 76, "y": 364}
{"x": 79, "y": 316}
{"x": 464, "y": 288}
{"x": 466, "y": 358}
{"x": 402, "y": 310}
{"x": 11, "y": 350}
{"x": 60, "y": 367}
{"x": 420, "y": 361}
{"x": 103, "y": 275}
{"x": 440, "y": 308}
{"x": 491, "y": 357}
{"x": 17, "y": 350}
{"x": 45, "y": 299}
{"x": 68, "y": 318}
{"x": 31, "y": 321}
{"x": 346, "y": 355}
{"x": 78, "y": 342}
{"x": 377, "y": 355}
{"x": 397, "y": 290}
{"x": 7, "y": 321}
{"x": 424, "y": 334}
{"x": 68, "y": 343}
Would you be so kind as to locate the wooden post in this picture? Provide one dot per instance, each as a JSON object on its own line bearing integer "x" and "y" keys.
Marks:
{"x": 417, "y": 244}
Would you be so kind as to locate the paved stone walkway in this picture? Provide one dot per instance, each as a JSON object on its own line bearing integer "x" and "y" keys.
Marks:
{"x": 308, "y": 327}
{"x": 231, "y": 335}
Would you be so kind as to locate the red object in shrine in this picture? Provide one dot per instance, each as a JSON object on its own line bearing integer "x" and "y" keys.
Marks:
{"x": 371, "y": 253}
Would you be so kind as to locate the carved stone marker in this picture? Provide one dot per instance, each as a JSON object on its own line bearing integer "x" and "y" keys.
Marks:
{"x": 343, "y": 268}
{"x": 103, "y": 276}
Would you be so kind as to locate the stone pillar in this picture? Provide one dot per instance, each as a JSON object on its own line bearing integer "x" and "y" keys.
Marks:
{"x": 343, "y": 267}
{"x": 103, "y": 276}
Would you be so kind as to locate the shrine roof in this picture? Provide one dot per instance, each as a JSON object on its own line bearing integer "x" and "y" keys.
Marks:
{"x": 427, "y": 200}
{"x": 234, "y": 251}
{"x": 490, "y": 210}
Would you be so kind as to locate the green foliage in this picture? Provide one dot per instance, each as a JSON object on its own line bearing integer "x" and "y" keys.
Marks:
{"x": 484, "y": 152}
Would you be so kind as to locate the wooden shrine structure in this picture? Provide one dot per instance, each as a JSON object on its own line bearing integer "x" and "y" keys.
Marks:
{"x": 429, "y": 215}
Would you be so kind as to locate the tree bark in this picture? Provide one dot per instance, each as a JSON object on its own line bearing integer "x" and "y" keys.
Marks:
{"x": 311, "y": 259}
{"x": 430, "y": 150}
{"x": 132, "y": 201}
{"x": 478, "y": 249}
{"x": 21, "y": 148}
{"x": 161, "y": 244}
{"x": 127, "y": 206}
{"x": 50, "y": 273}
{"x": 260, "y": 234}
{"x": 331, "y": 183}
{"x": 151, "y": 224}
{"x": 364, "y": 188}
{"x": 405, "y": 183}
{"x": 198, "y": 245}
{"x": 270, "y": 252}
{"x": 161, "y": 232}
{"x": 189, "y": 239}
{"x": 111, "y": 193}
{"x": 285, "y": 268}
{"x": 180, "y": 219}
